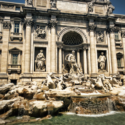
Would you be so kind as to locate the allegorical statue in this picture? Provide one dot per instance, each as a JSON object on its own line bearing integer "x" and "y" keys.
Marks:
{"x": 101, "y": 61}
{"x": 73, "y": 67}
{"x": 40, "y": 62}
{"x": 30, "y": 2}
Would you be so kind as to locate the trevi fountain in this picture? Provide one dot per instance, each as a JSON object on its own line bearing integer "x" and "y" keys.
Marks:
{"x": 71, "y": 93}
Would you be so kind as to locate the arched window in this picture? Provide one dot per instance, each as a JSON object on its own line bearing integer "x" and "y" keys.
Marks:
{"x": 72, "y": 38}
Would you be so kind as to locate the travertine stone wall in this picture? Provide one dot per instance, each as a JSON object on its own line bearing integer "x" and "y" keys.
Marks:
{"x": 6, "y": 33}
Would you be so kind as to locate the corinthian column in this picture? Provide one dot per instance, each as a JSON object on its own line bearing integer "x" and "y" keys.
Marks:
{"x": 78, "y": 57}
{"x": 6, "y": 32}
{"x": 93, "y": 50}
{"x": 60, "y": 59}
{"x": 53, "y": 47}
{"x": 85, "y": 61}
{"x": 28, "y": 46}
{"x": 113, "y": 51}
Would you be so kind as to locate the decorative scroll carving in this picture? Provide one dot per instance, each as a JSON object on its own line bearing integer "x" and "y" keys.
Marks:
{"x": 100, "y": 36}
{"x": 40, "y": 32}
{"x": 6, "y": 25}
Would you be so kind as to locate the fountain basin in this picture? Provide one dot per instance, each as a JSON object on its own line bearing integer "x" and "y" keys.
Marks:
{"x": 94, "y": 104}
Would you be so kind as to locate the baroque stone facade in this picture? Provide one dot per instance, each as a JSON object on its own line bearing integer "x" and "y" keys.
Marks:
{"x": 35, "y": 38}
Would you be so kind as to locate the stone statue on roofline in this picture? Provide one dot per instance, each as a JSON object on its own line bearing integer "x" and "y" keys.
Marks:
{"x": 29, "y": 2}
{"x": 53, "y": 3}
{"x": 110, "y": 9}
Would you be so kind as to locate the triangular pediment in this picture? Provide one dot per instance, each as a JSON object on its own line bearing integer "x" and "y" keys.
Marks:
{"x": 15, "y": 49}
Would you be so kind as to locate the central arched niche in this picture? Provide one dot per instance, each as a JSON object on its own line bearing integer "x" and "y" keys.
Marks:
{"x": 72, "y": 38}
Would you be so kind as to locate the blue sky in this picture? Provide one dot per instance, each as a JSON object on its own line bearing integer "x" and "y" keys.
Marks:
{"x": 119, "y": 5}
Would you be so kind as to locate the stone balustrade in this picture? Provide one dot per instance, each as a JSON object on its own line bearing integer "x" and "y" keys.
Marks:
{"x": 14, "y": 68}
{"x": 16, "y": 36}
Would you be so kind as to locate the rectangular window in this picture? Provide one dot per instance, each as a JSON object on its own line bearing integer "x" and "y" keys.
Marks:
{"x": 16, "y": 28}
{"x": 119, "y": 62}
{"x": 17, "y": 8}
{"x": 116, "y": 36}
{"x": 15, "y": 59}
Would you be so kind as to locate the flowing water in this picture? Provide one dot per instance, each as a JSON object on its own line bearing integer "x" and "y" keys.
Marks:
{"x": 112, "y": 118}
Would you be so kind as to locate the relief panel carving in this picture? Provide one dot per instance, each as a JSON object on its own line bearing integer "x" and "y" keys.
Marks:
{"x": 100, "y": 36}
{"x": 40, "y": 32}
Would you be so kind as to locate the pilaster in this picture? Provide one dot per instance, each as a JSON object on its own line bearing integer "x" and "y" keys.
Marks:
{"x": 60, "y": 59}
{"x": 78, "y": 57}
{"x": 53, "y": 47}
{"x": 113, "y": 50}
{"x": 28, "y": 23}
{"x": 85, "y": 61}
{"x": 93, "y": 50}
{"x": 6, "y": 33}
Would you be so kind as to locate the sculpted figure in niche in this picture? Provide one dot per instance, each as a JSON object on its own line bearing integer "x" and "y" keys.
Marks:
{"x": 40, "y": 62}
{"x": 101, "y": 61}
{"x": 72, "y": 65}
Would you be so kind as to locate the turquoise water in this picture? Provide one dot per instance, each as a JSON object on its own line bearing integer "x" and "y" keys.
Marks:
{"x": 115, "y": 119}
